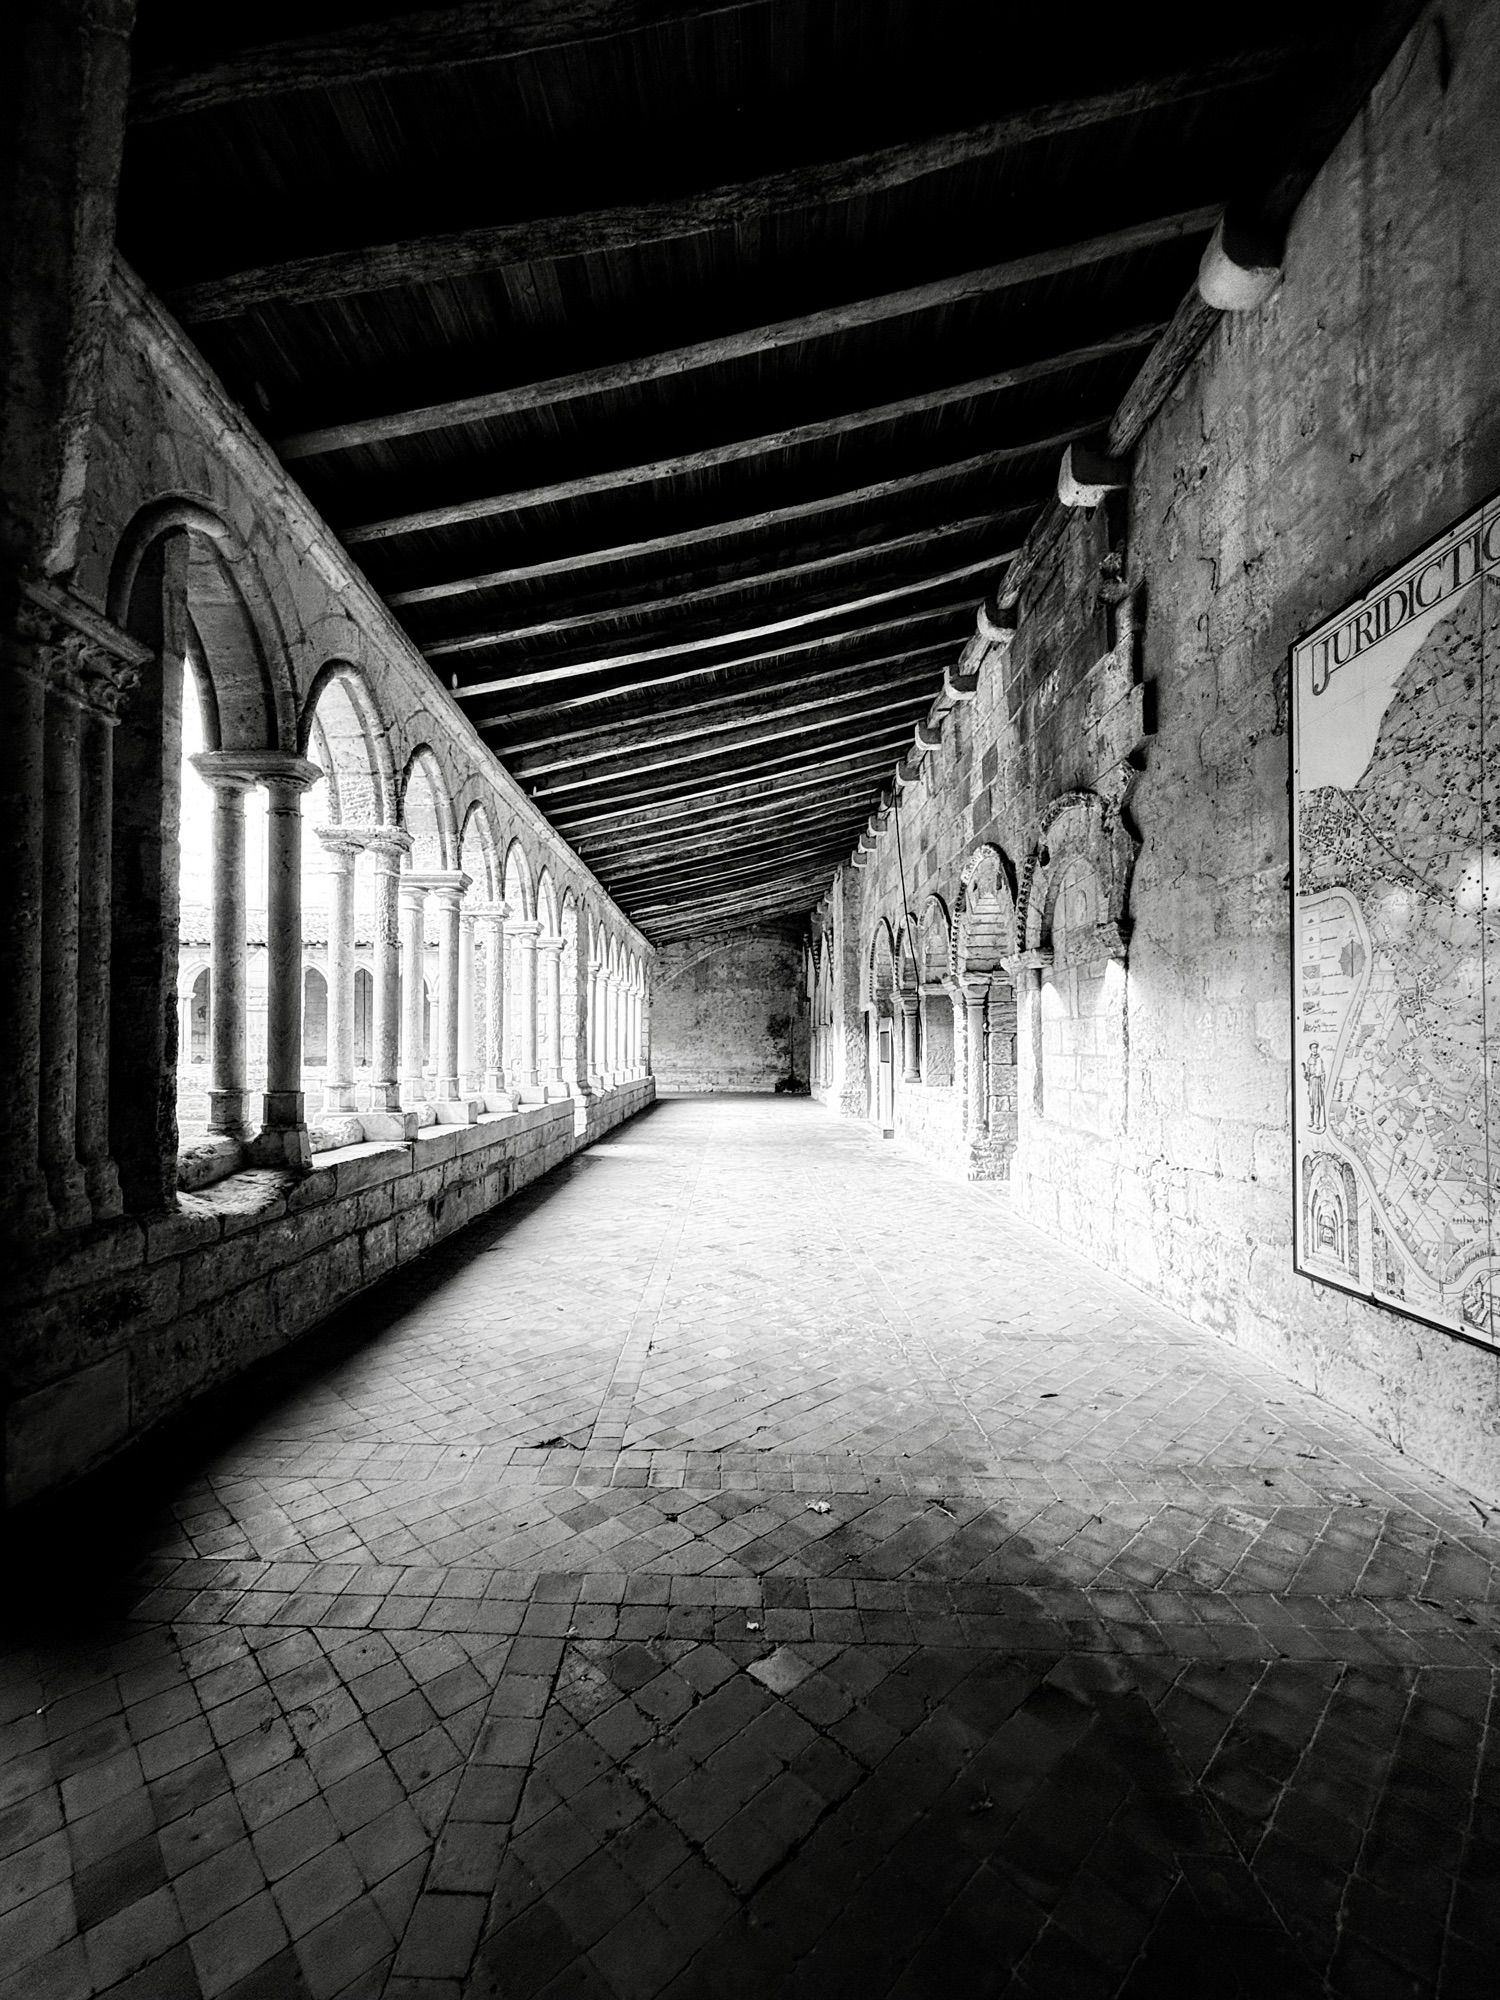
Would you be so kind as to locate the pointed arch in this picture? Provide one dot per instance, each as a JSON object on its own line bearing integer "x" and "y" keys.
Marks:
{"x": 427, "y": 811}
{"x": 342, "y": 716}
{"x": 518, "y": 883}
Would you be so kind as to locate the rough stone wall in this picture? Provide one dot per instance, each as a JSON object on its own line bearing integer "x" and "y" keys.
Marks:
{"x": 730, "y": 1012}
{"x": 1311, "y": 446}
{"x": 130, "y": 1326}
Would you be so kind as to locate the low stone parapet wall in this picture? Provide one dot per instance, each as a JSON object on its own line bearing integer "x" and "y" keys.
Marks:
{"x": 137, "y": 1318}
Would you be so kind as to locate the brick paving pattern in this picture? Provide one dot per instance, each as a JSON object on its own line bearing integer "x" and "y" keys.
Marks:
{"x": 747, "y": 1564}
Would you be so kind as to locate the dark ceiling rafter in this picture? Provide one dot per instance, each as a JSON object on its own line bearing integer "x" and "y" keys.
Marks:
{"x": 757, "y": 808}
{"x": 860, "y": 766}
{"x": 915, "y": 684}
{"x": 466, "y": 253}
{"x": 701, "y": 642}
{"x": 711, "y": 458}
{"x": 566, "y": 778}
{"x": 614, "y": 610}
{"x": 542, "y": 678}
{"x": 676, "y": 539}
{"x": 485, "y": 31}
{"x": 612, "y": 377}
{"x": 707, "y": 712}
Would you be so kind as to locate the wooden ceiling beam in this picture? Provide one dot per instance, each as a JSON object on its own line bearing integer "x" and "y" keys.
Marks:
{"x": 794, "y": 622}
{"x": 711, "y": 458}
{"x": 768, "y": 836}
{"x": 713, "y": 710}
{"x": 727, "y": 729}
{"x": 778, "y": 893}
{"x": 863, "y": 766}
{"x": 560, "y": 779}
{"x": 485, "y": 31}
{"x": 731, "y": 836}
{"x": 630, "y": 793}
{"x": 612, "y": 609}
{"x": 744, "y": 524}
{"x": 543, "y": 676}
{"x": 821, "y": 858}
{"x": 715, "y": 353}
{"x": 444, "y": 256}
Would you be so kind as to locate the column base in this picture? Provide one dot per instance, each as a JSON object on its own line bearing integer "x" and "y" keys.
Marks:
{"x": 457, "y": 1110}
{"x": 68, "y": 1196}
{"x": 281, "y": 1146}
{"x": 229, "y": 1113}
{"x": 392, "y": 1125}
{"x": 338, "y": 1098}
{"x": 383, "y": 1097}
{"x": 28, "y": 1214}
{"x": 102, "y": 1179}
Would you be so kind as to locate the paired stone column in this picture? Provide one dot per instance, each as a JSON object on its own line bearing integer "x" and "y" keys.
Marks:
{"x": 596, "y": 1023}
{"x": 523, "y": 939}
{"x": 283, "y": 1134}
{"x": 342, "y": 847}
{"x": 58, "y": 1106}
{"x": 976, "y": 995}
{"x": 228, "y": 1095}
{"x": 549, "y": 952}
{"x": 492, "y": 918}
{"x": 909, "y": 1003}
{"x": 469, "y": 1068}
{"x": 447, "y": 893}
{"x": 109, "y": 683}
{"x": 413, "y": 908}
{"x": 387, "y": 844}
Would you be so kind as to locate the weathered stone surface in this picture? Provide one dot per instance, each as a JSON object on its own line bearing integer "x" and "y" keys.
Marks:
{"x": 729, "y": 1012}
{"x": 1312, "y": 445}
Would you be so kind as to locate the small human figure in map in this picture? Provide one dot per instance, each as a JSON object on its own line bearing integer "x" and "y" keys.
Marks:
{"x": 1317, "y": 1085}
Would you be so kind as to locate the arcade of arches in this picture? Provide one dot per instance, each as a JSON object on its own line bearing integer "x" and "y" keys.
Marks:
{"x": 687, "y": 1309}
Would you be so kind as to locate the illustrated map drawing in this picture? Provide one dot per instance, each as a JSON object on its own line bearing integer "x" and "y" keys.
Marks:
{"x": 1396, "y": 938}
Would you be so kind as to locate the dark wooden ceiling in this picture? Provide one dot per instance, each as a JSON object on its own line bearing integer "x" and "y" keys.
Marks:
{"x": 684, "y": 374}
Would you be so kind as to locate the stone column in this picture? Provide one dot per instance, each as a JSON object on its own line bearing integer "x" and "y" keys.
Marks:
{"x": 909, "y": 1003}
{"x": 524, "y": 937}
{"x": 387, "y": 844}
{"x": 596, "y": 1037}
{"x": 497, "y": 1096}
{"x": 976, "y": 993}
{"x": 413, "y": 906}
{"x": 646, "y": 1030}
{"x": 342, "y": 849}
{"x": 23, "y": 732}
{"x": 228, "y": 1097}
{"x": 447, "y": 895}
{"x": 550, "y": 968}
{"x": 284, "y": 1131}
{"x": 469, "y": 1078}
{"x": 58, "y": 1097}
{"x": 109, "y": 685}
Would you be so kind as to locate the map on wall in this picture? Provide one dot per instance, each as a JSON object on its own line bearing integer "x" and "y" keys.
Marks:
{"x": 1396, "y": 938}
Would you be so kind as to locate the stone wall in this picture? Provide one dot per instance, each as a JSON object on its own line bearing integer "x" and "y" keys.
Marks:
{"x": 1127, "y": 755}
{"x": 730, "y": 1012}
{"x": 131, "y": 1324}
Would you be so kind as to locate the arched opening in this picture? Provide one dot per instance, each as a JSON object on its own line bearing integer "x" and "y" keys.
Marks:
{"x": 189, "y": 845}
{"x": 199, "y": 1003}
{"x": 314, "y": 1018}
{"x": 364, "y": 1017}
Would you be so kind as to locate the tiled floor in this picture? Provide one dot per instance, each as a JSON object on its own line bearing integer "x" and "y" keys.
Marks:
{"x": 750, "y": 1565}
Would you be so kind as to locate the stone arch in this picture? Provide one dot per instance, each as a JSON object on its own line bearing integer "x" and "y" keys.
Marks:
{"x": 933, "y": 936}
{"x": 984, "y": 943}
{"x": 427, "y": 812}
{"x": 547, "y": 903}
{"x": 518, "y": 880}
{"x": 184, "y": 584}
{"x": 1080, "y": 844}
{"x": 341, "y": 717}
{"x": 883, "y": 969}
{"x": 984, "y": 929}
{"x": 479, "y": 855}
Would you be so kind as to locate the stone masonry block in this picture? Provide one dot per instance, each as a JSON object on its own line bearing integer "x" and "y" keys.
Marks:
{"x": 58, "y": 1432}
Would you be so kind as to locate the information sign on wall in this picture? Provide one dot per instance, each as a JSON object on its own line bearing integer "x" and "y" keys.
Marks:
{"x": 1396, "y": 938}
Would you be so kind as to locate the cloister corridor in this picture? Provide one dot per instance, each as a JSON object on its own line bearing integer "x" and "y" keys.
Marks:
{"x": 747, "y": 1562}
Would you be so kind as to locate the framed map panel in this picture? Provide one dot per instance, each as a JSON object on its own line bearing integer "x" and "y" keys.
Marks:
{"x": 1396, "y": 938}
